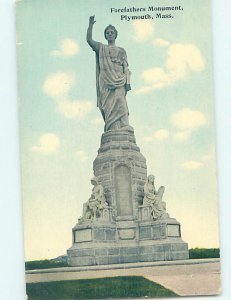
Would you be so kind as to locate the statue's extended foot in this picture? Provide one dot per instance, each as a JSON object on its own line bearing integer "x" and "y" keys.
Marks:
{"x": 127, "y": 128}
{"x": 124, "y": 128}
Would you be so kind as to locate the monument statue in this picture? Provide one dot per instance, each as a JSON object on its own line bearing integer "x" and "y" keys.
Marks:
{"x": 92, "y": 208}
{"x": 153, "y": 198}
{"x": 125, "y": 219}
{"x": 112, "y": 78}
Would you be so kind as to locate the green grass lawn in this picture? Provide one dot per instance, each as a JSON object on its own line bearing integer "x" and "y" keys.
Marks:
{"x": 101, "y": 288}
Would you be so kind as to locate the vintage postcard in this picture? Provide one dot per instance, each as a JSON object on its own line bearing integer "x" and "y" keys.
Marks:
{"x": 118, "y": 149}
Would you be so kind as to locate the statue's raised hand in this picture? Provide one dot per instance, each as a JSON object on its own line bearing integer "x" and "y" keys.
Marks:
{"x": 92, "y": 20}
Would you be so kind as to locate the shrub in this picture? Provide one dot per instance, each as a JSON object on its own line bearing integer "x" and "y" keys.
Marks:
{"x": 44, "y": 264}
{"x": 204, "y": 253}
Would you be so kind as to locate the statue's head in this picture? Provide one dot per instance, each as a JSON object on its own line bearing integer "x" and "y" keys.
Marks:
{"x": 151, "y": 178}
{"x": 110, "y": 32}
{"x": 94, "y": 180}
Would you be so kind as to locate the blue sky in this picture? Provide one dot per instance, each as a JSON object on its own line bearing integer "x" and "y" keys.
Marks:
{"x": 171, "y": 110}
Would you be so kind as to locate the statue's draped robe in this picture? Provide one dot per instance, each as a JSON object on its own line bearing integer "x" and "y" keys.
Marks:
{"x": 111, "y": 76}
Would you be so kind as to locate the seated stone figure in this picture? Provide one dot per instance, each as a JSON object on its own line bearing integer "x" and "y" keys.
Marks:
{"x": 93, "y": 207}
{"x": 153, "y": 198}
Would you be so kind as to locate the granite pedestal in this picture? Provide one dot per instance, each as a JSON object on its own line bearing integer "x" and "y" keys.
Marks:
{"x": 125, "y": 231}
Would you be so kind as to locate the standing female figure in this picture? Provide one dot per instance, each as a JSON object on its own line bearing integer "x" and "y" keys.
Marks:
{"x": 112, "y": 78}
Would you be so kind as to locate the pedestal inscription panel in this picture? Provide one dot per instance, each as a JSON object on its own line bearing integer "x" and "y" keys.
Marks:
{"x": 173, "y": 230}
{"x": 83, "y": 235}
{"x": 123, "y": 191}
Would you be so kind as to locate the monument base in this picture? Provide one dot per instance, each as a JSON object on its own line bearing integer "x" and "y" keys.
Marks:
{"x": 123, "y": 225}
{"x": 126, "y": 242}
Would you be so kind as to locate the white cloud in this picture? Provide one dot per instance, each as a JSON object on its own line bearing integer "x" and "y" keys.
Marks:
{"x": 67, "y": 48}
{"x": 58, "y": 84}
{"x": 188, "y": 119}
{"x": 97, "y": 121}
{"x": 161, "y": 134}
{"x": 160, "y": 42}
{"x": 81, "y": 155}
{"x": 156, "y": 78}
{"x": 192, "y": 165}
{"x": 48, "y": 143}
{"x": 147, "y": 139}
{"x": 182, "y": 59}
{"x": 144, "y": 90}
{"x": 182, "y": 135}
{"x": 143, "y": 30}
{"x": 73, "y": 109}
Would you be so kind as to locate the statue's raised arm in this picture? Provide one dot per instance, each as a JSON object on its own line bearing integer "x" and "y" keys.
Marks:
{"x": 89, "y": 32}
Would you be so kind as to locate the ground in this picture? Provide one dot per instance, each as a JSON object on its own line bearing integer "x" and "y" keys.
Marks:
{"x": 185, "y": 278}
